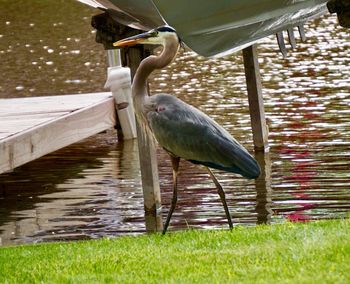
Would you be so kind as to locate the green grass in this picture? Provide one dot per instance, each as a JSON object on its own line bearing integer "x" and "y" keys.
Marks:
{"x": 316, "y": 252}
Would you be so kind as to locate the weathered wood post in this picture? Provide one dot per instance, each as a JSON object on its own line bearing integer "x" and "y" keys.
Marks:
{"x": 263, "y": 188}
{"x": 260, "y": 133}
{"x": 256, "y": 103}
{"x": 147, "y": 155}
{"x": 109, "y": 31}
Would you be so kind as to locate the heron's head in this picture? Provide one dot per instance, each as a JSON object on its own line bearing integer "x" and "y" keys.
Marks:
{"x": 158, "y": 36}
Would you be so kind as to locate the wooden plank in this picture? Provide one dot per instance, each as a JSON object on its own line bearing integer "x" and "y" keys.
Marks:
{"x": 57, "y": 133}
{"x": 16, "y": 124}
{"x": 4, "y": 135}
{"x": 35, "y": 105}
{"x": 22, "y": 117}
{"x": 256, "y": 103}
{"x": 20, "y": 114}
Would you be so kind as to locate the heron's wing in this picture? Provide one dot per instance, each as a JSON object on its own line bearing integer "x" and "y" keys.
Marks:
{"x": 192, "y": 135}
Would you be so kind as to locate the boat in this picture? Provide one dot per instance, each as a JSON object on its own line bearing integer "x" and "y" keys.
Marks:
{"x": 215, "y": 28}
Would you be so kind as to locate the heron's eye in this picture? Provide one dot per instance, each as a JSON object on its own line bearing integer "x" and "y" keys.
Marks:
{"x": 154, "y": 34}
{"x": 160, "y": 109}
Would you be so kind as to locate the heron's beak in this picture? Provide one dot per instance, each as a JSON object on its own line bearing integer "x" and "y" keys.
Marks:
{"x": 144, "y": 38}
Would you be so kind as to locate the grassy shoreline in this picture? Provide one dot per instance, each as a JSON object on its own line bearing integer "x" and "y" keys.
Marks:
{"x": 287, "y": 253}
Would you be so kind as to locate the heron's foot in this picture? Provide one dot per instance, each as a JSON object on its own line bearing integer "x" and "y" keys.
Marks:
{"x": 231, "y": 226}
{"x": 229, "y": 220}
{"x": 165, "y": 227}
{"x": 175, "y": 163}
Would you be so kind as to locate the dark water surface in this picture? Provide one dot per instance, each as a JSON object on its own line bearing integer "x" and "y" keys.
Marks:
{"x": 92, "y": 189}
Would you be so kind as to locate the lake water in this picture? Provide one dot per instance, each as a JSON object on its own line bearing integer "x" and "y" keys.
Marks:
{"x": 92, "y": 189}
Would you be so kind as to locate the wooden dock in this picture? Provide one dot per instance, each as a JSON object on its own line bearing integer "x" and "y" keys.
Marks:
{"x": 33, "y": 127}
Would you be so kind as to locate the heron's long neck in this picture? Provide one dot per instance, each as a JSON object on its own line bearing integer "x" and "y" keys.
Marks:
{"x": 147, "y": 66}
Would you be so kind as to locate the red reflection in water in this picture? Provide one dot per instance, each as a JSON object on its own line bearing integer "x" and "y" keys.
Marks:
{"x": 303, "y": 170}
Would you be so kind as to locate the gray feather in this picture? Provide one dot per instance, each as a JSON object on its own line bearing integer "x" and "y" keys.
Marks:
{"x": 190, "y": 134}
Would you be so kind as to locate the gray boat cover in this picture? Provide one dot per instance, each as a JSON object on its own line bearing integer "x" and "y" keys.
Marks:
{"x": 215, "y": 27}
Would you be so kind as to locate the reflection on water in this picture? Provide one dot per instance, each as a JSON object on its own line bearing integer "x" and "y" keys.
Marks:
{"x": 48, "y": 47}
{"x": 92, "y": 189}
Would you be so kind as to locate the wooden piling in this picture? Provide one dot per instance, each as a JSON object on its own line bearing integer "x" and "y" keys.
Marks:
{"x": 148, "y": 158}
{"x": 256, "y": 103}
{"x": 263, "y": 189}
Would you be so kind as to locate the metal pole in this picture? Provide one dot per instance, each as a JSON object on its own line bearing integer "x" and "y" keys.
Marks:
{"x": 114, "y": 58}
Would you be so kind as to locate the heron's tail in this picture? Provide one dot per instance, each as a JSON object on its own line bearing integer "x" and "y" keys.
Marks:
{"x": 251, "y": 168}
{"x": 248, "y": 167}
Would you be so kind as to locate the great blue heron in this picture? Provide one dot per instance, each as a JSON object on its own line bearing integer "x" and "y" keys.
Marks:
{"x": 182, "y": 130}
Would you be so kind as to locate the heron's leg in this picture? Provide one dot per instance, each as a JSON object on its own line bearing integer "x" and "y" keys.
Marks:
{"x": 175, "y": 163}
{"x": 222, "y": 196}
